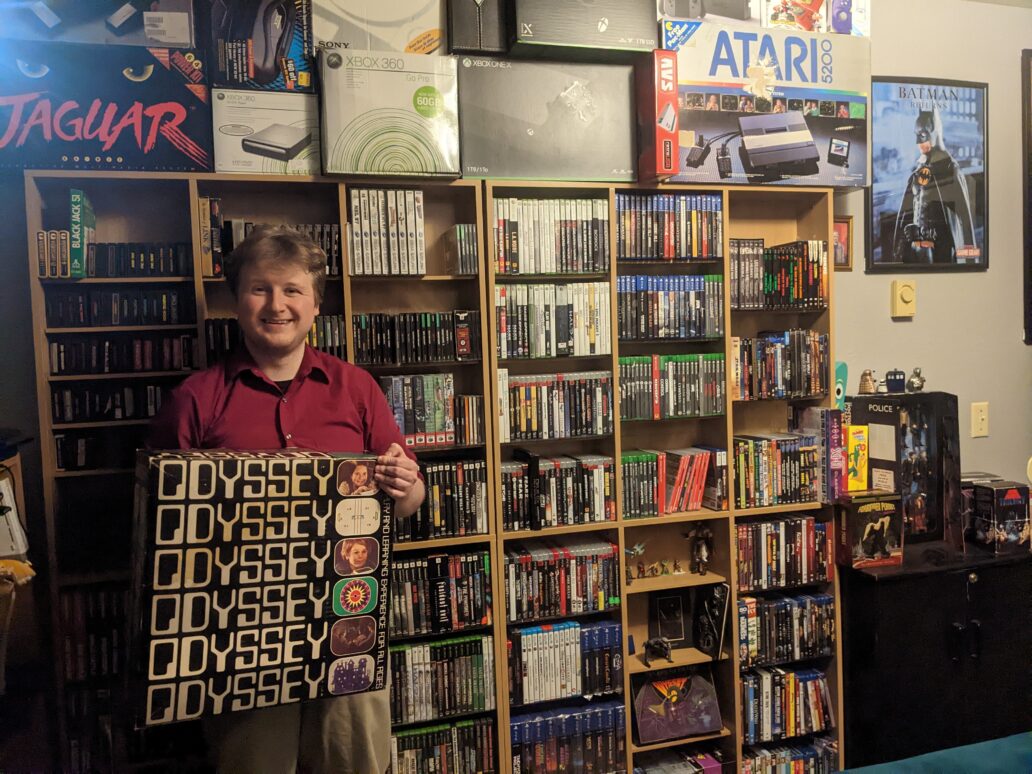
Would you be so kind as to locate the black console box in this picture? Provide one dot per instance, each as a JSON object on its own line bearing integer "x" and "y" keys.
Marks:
{"x": 565, "y": 27}
{"x": 477, "y": 26}
{"x": 546, "y": 120}
{"x": 914, "y": 445}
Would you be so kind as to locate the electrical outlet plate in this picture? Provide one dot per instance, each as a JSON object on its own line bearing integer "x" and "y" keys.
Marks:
{"x": 980, "y": 419}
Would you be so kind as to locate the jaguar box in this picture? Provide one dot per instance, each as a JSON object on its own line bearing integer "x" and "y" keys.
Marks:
{"x": 271, "y": 133}
{"x": 769, "y": 105}
{"x": 389, "y": 114}
{"x": 564, "y": 27}
{"x": 410, "y": 26}
{"x": 546, "y": 120}
{"x": 259, "y": 578}
{"x": 1000, "y": 520}
{"x": 261, "y": 44}
{"x": 168, "y": 23}
{"x": 77, "y": 106}
{"x": 870, "y": 529}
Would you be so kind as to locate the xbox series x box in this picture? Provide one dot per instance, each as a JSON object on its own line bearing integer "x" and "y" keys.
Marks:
{"x": 560, "y": 28}
{"x": 409, "y": 26}
{"x": 265, "y": 132}
{"x": 258, "y": 578}
{"x": 546, "y": 120}
{"x": 769, "y": 106}
{"x": 386, "y": 113}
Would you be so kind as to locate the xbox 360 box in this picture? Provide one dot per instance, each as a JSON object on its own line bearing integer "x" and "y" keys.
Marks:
{"x": 265, "y": 132}
{"x": 386, "y": 113}
{"x": 546, "y": 120}
{"x": 409, "y": 26}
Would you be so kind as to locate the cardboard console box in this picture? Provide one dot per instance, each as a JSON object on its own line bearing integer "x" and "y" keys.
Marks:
{"x": 870, "y": 529}
{"x": 408, "y": 26}
{"x": 564, "y": 27}
{"x": 272, "y": 133}
{"x": 168, "y": 23}
{"x": 803, "y": 121}
{"x": 261, "y": 44}
{"x": 386, "y": 113}
{"x": 478, "y": 27}
{"x": 546, "y": 120}
{"x": 258, "y": 578}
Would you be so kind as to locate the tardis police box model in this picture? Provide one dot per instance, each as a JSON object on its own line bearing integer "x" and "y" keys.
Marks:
{"x": 915, "y": 451}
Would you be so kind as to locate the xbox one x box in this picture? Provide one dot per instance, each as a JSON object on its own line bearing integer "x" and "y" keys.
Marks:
{"x": 265, "y": 132}
{"x": 546, "y": 120}
{"x": 599, "y": 29}
{"x": 386, "y": 113}
{"x": 258, "y": 578}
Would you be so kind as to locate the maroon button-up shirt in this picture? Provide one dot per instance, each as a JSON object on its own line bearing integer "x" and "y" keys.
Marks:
{"x": 330, "y": 406}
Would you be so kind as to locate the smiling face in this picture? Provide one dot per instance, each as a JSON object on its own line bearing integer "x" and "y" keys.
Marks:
{"x": 361, "y": 475}
{"x": 276, "y": 306}
{"x": 357, "y": 555}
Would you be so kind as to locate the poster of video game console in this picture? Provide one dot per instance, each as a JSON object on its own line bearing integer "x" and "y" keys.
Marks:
{"x": 928, "y": 199}
{"x": 259, "y": 578}
{"x": 79, "y": 106}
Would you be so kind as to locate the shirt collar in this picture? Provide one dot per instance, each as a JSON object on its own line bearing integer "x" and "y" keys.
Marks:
{"x": 241, "y": 361}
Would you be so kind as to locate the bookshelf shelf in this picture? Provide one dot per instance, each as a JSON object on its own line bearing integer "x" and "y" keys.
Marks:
{"x": 364, "y": 278}
{"x": 816, "y": 396}
{"x": 564, "y": 701}
{"x": 435, "y": 450}
{"x": 510, "y": 362}
{"x": 674, "y": 518}
{"x": 783, "y": 589}
{"x": 671, "y": 420}
{"x": 429, "y": 366}
{"x": 686, "y": 340}
{"x": 443, "y": 719}
{"x": 107, "y": 423}
{"x": 667, "y": 582}
{"x": 786, "y": 661}
{"x": 682, "y": 657}
{"x": 565, "y": 529}
{"x": 67, "y": 283}
{"x": 93, "y": 472}
{"x": 772, "y": 510}
{"x": 624, "y": 263}
{"x": 435, "y": 544}
{"x": 801, "y": 310}
{"x": 515, "y": 279}
{"x": 128, "y": 375}
{"x": 399, "y": 639}
{"x": 120, "y": 329}
{"x": 545, "y": 441}
{"x": 640, "y": 748}
{"x": 608, "y": 612}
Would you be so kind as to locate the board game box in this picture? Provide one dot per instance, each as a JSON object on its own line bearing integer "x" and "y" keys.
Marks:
{"x": 870, "y": 529}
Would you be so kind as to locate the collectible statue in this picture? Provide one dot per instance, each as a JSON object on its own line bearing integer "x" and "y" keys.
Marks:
{"x": 701, "y": 537}
{"x": 678, "y": 570}
{"x": 916, "y": 382}
{"x": 867, "y": 383}
{"x": 934, "y": 219}
{"x": 641, "y": 569}
{"x": 653, "y": 570}
{"x": 883, "y": 387}
{"x": 638, "y": 549}
{"x": 657, "y": 646}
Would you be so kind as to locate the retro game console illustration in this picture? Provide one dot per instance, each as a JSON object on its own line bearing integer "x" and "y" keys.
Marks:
{"x": 778, "y": 141}
{"x": 278, "y": 142}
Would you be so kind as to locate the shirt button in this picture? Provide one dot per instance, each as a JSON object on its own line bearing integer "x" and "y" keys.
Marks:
{"x": 290, "y": 436}
{"x": 284, "y": 400}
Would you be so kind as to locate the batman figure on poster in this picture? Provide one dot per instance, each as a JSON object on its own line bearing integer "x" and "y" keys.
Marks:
{"x": 934, "y": 219}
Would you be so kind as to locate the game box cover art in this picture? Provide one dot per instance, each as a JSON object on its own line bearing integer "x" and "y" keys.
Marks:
{"x": 259, "y": 578}
{"x": 78, "y": 106}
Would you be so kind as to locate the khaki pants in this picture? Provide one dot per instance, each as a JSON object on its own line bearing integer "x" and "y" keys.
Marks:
{"x": 343, "y": 735}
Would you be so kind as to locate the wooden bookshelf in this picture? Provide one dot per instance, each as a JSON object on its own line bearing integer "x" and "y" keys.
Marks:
{"x": 124, "y": 203}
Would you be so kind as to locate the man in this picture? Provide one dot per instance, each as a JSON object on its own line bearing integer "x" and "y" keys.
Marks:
{"x": 276, "y": 392}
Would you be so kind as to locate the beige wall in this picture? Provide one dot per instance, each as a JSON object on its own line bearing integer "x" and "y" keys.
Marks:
{"x": 967, "y": 335}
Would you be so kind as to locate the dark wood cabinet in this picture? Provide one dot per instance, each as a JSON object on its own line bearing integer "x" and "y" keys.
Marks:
{"x": 935, "y": 657}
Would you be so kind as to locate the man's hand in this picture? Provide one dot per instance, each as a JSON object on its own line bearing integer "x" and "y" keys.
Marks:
{"x": 395, "y": 472}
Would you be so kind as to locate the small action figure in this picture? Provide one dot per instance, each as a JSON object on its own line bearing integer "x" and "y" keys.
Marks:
{"x": 657, "y": 646}
{"x": 701, "y": 537}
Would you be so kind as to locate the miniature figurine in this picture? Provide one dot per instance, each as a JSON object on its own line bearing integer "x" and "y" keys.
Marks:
{"x": 664, "y": 567}
{"x": 638, "y": 549}
{"x": 702, "y": 547}
{"x": 867, "y": 383}
{"x": 653, "y": 570}
{"x": 641, "y": 569}
{"x": 882, "y": 387}
{"x": 678, "y": 570}
{"x": 657, "y": 646}
{"x": 916, "y": 382}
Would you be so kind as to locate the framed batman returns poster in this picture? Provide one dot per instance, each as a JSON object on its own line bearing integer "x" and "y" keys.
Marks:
{"x": 929, "y": 185}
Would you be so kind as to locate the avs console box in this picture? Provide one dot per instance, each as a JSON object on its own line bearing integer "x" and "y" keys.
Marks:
{"x": 389, "y": 114}
{"x": 261, "y": 44}
{"x": 165, "y": 23}
{"x": 477, "y": 27}
{"x": 258, "y": 578}
{"x": 546, "y": 120}
{"x": 264, "y": 132}
{"x": 408, "y": 26}
{"x": 914, "y": 450}
{"x": 777, "y": 140}
{"x": 772, "y": 106}
{"x": 656, "y": 86}
{"x": 870, "y": 529}
{"x": 79, "y": 106}
{"x": 562, "y": 27}
{"x": 1000, "y": 520}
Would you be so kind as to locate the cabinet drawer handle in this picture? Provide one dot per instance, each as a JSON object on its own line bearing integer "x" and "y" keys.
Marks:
{"x": 974, "y": 628}
{"x": 954, "y": 641}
